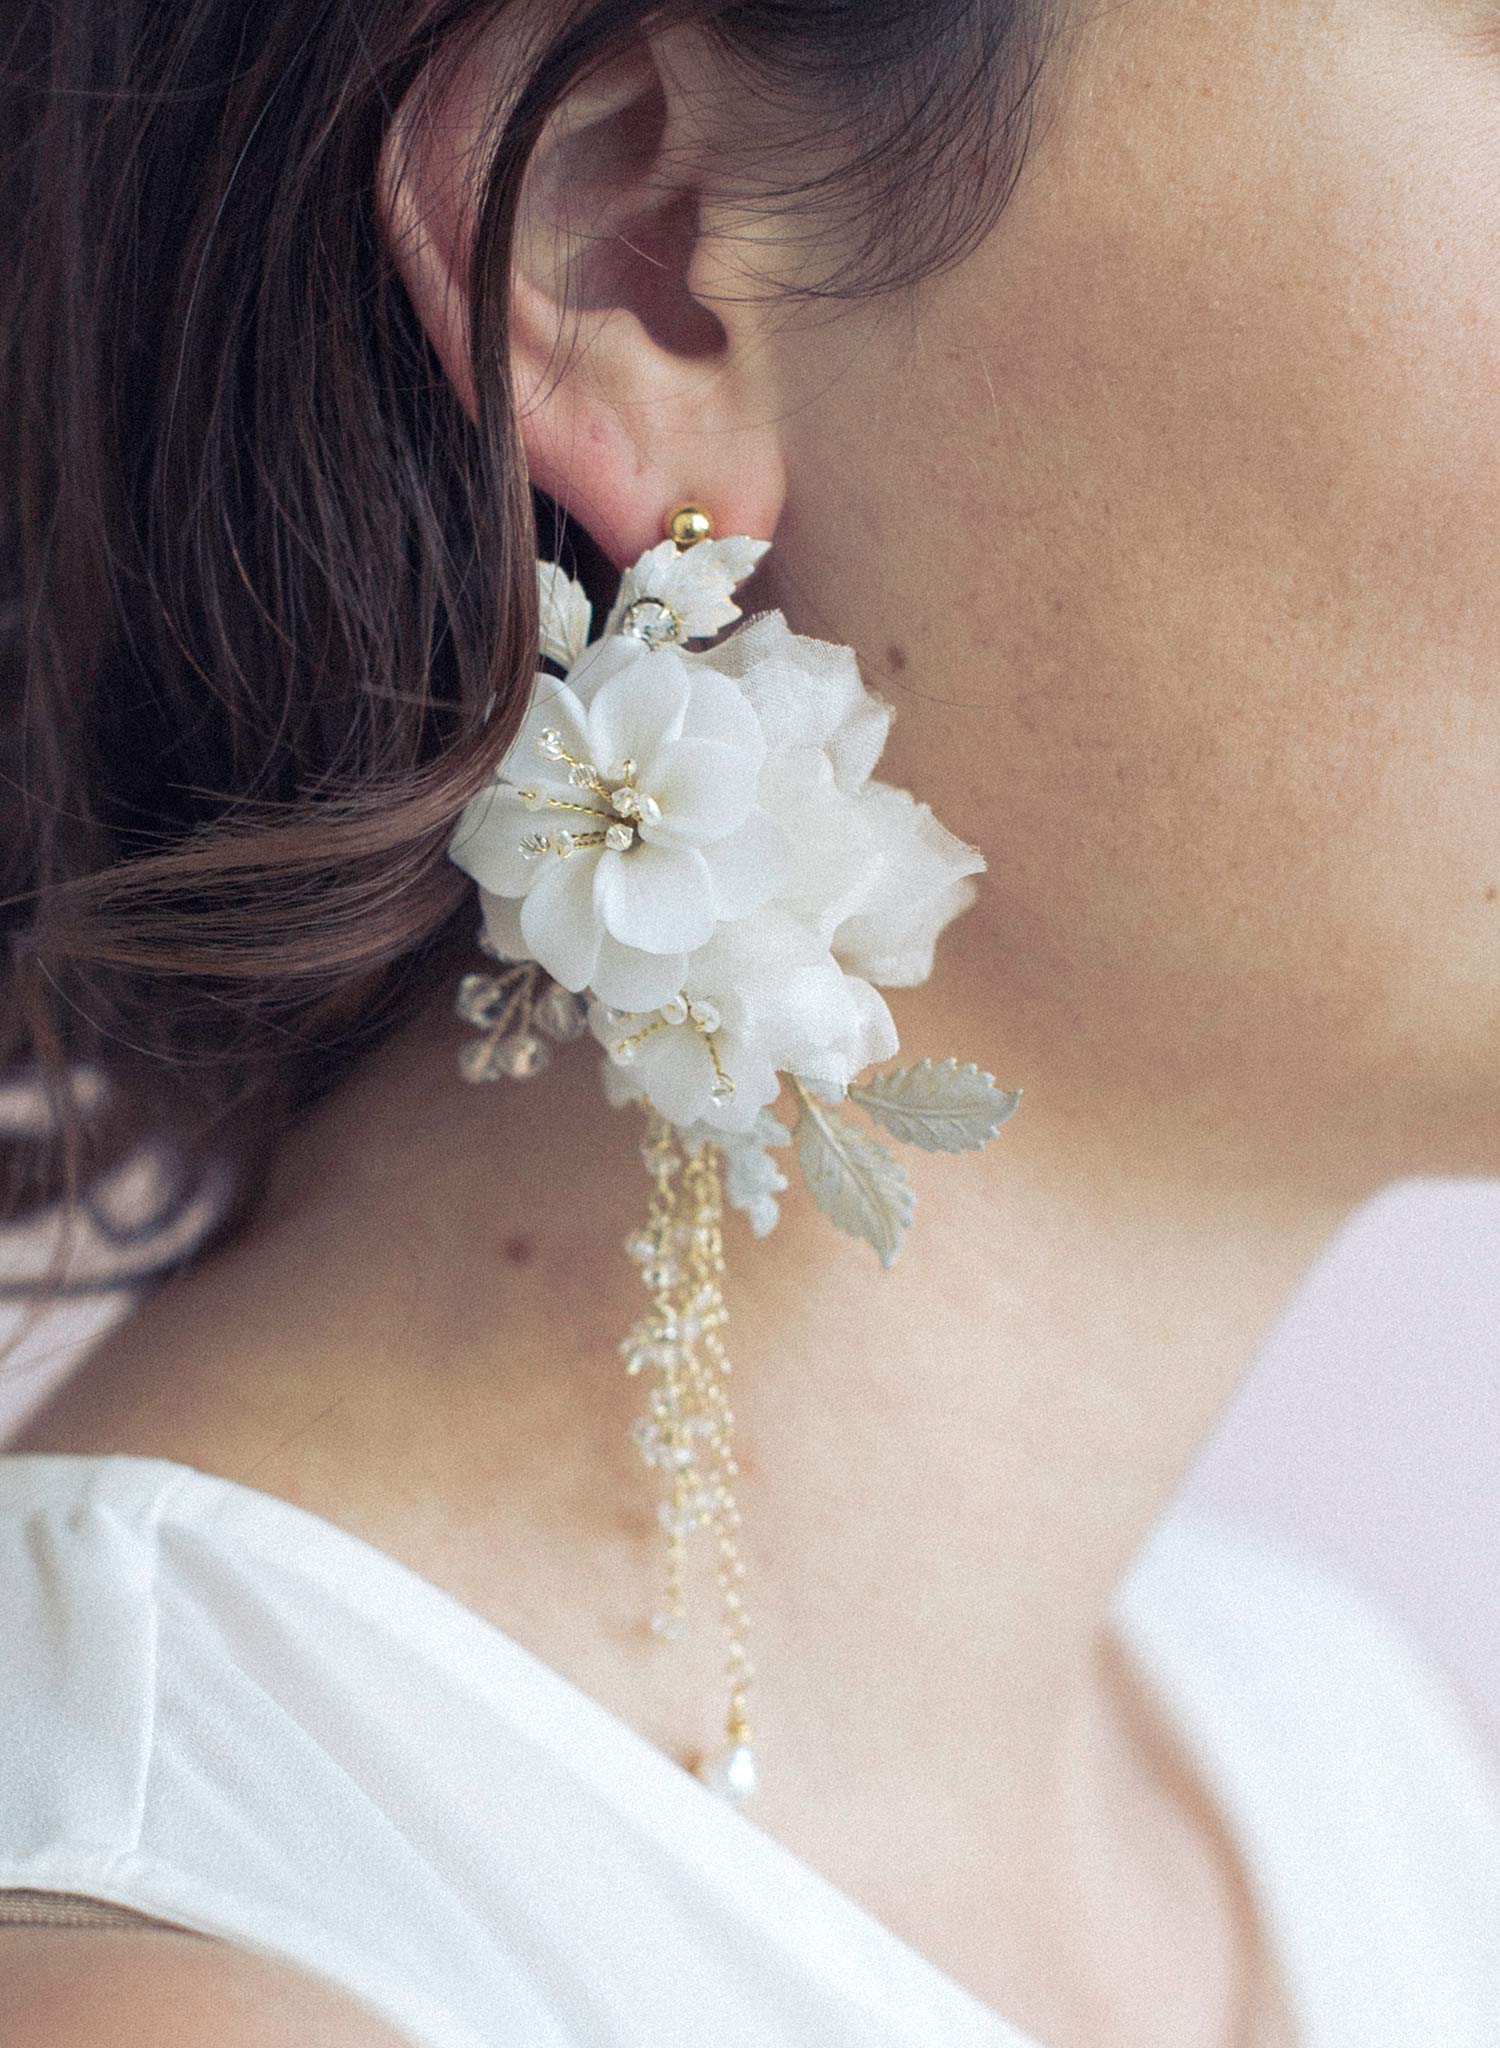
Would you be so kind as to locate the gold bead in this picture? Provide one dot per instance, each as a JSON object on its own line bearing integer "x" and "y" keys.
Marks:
{"x": 688, "y": 524}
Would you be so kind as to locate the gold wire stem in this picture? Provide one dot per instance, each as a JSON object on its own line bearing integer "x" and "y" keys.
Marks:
{"x": 690, "y": 1424}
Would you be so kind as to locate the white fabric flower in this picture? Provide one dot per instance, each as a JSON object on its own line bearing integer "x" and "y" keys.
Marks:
{"x": 693, "y": 586}
{"x": 694, "y": 838}
{"x": 620, "y": 826}
{"x": 763, "y": 998}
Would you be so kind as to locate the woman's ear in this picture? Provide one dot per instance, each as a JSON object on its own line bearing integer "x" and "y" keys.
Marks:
{"x": 641, "y": 378}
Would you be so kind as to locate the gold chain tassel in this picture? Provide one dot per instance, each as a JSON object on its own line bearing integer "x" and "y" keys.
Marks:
{"x": 687, "y": 1431}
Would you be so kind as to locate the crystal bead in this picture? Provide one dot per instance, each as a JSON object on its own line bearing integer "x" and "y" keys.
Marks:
{"x": 732, "y": 1773}
{"x": 705, "y": 1015}
{"x": 651, "y": 622}
{"x": 481, "y": 1000}
{"x": 563, "y": 843}
{"x": 625, "y": 772}
{"x": 623, "y": 802}
{"x": 534, "y": 844}
{"x": 648, "y": 810}
{"x": 721, "y": 1089}
{"x": 640, "y": 1246}
{"x": 622, "y": 1052}
{"x": 477, "y": 1062}
{"x": 521, "y": 1056}
{"x": 691, "y": 1514}
{"x": 659, "y": 1274}
{"x": 550, "y": 743}
{"x": 580, "y": 775}
{"x": 560, "y": 1014}
{"x": 674, "y": 1011}
{"x": 619, "y": 838}
{"x": 657, "y": 1448}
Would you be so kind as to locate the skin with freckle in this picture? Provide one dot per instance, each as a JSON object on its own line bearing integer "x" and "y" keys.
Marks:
{"x": 1191, "y": 540}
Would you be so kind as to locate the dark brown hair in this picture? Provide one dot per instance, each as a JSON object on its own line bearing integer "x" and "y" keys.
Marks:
{"x": 260, "y": 577}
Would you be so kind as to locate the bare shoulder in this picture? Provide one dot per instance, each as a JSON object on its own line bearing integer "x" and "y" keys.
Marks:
{"x": 98, "y": 1988}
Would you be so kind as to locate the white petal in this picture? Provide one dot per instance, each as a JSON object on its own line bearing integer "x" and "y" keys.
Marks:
{"x": 675, "y": 1069}
{"x": 695, "y": 583}
{"x": 628, "y": 979}
{"x": 552, "y": 704}
{"x": 749, "y": 867}
{"x": 830, "y": 837}
{"x": 619, "y": 1086}
{"x": 718, "y": 709}
{"x": 558, "y": 921}
{"x": 565, "y": 614}
{"x": 732, "y": 558}
{"x": 897, "y": 953}
{"x": 826, "y": 1025}
{"x": 639, "y": 708}
{"x": 600, "y": 660}
{"x": 706, "y": 791}
{"x": 748, "y": 964}
{"x": 502, "y": 926}
{"x": 647, "y": 576}
{"x": 918, "y": 885}
{"x": 486, "y": 841}
{"x": 659, "y": 898}
{"x": 701, "y": 581}
{"x": 859, "y": 742}
{"x": 756, "y": 1083}
{"x": 805, "y": 692}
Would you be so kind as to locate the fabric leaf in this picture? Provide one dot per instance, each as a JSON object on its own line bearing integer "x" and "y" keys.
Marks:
{"x": 938, "y": 1105}
{"x": 854, "y": 1180}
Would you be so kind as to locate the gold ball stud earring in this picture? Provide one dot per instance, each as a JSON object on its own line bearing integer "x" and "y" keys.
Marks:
{"x": 688, "y": 524}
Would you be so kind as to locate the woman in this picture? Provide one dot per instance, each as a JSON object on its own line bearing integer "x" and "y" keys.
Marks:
{"x": 1122, "y": 385}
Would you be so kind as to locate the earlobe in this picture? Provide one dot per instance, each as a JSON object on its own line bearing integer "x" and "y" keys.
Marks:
{"x": 641, "y": 379}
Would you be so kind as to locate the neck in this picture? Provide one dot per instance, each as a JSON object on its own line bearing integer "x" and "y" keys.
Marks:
{"x": 945, "y": 1469}
{"x": 997, "y": 1420}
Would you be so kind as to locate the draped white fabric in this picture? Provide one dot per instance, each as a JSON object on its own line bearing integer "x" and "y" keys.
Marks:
{"x": 223, "y": 1710}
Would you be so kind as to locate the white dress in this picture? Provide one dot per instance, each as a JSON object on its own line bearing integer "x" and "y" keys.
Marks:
{"x": 218, "y": 1708}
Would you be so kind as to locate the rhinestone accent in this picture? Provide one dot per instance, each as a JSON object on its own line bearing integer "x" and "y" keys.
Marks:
{"x": 651, "y": 622}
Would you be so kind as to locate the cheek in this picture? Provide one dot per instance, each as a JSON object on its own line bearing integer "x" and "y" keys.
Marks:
{"x": 1185, "y": 518}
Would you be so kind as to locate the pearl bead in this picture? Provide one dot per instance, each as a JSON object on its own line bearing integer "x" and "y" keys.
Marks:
{"x": 732, "y": 1773}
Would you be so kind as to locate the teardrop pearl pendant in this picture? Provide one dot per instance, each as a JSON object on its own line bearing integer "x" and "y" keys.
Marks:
{"x": 732, "y": 1773}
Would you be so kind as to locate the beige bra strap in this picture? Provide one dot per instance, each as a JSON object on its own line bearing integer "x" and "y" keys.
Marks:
{"x": 24, "y": 1908}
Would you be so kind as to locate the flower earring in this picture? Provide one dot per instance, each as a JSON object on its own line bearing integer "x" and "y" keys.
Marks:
{"x": 685, "y": 854}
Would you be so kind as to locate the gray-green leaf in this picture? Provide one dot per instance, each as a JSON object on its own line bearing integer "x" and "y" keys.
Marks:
{"x": 854, "y": 1180}
{"x": 938, "y": 1105}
